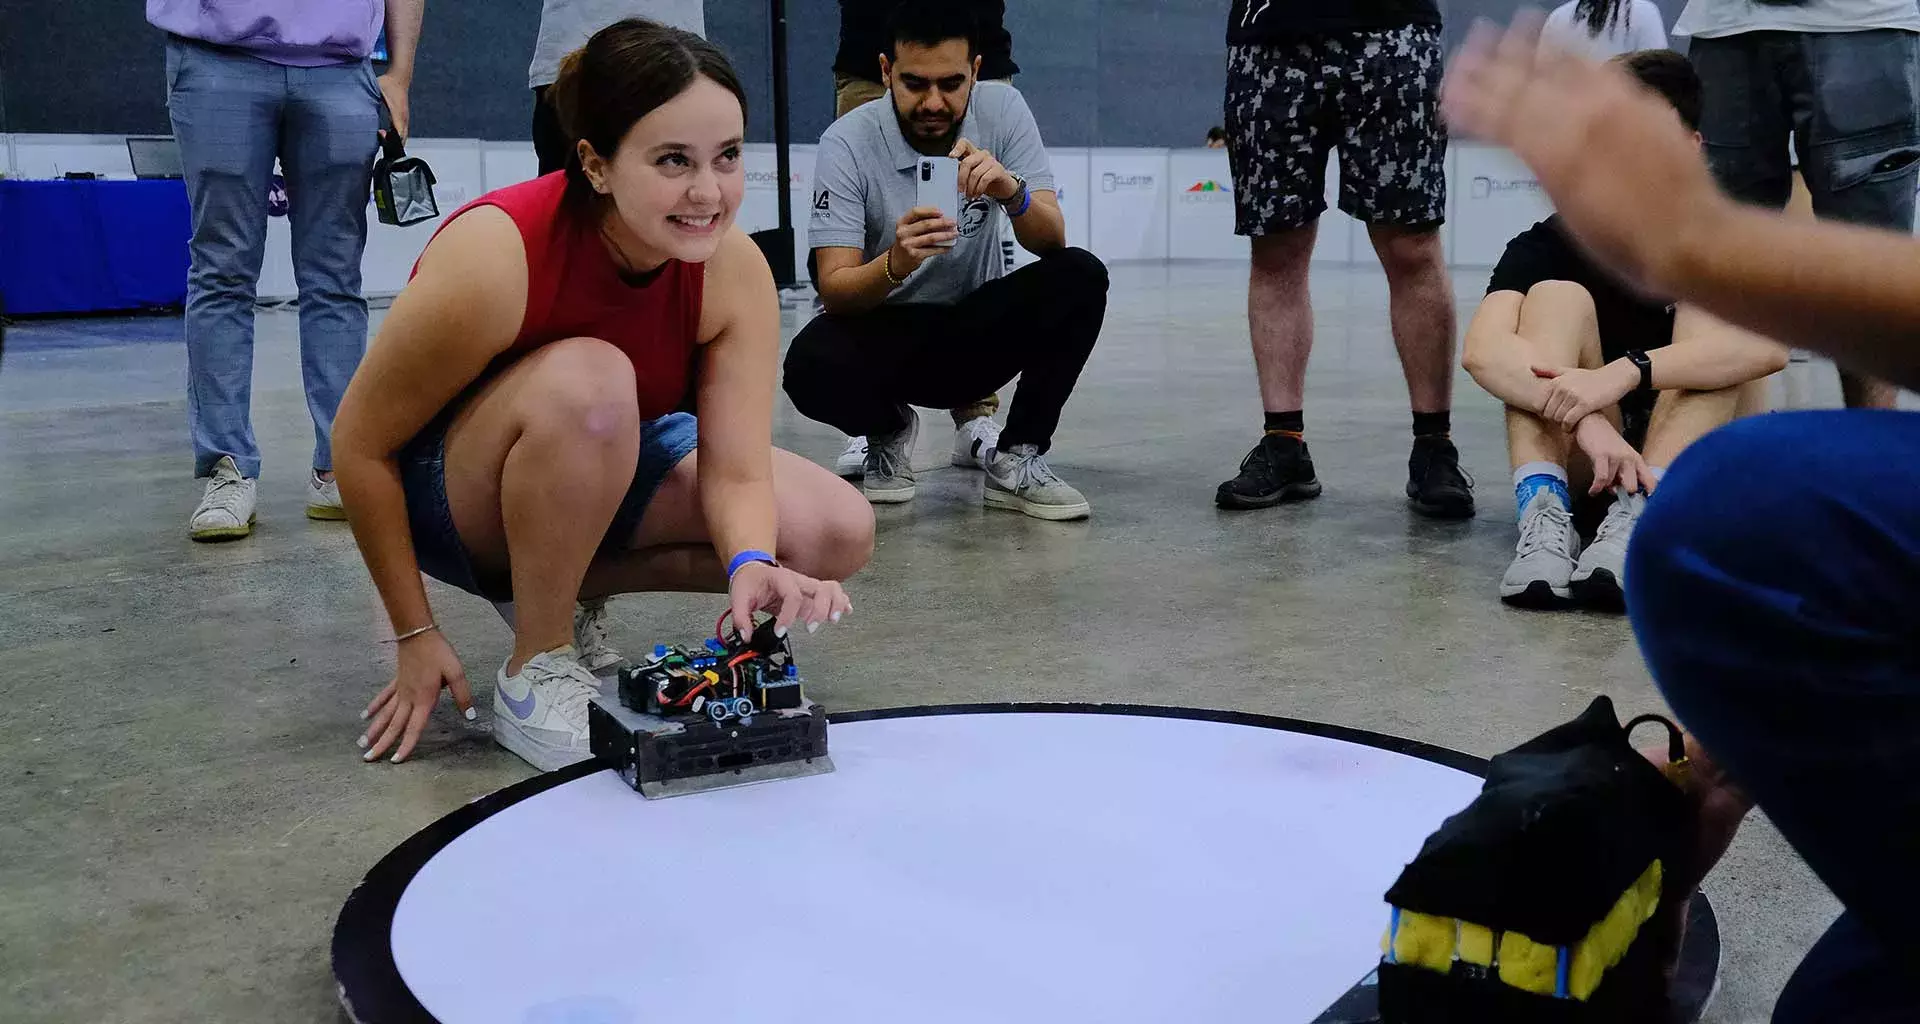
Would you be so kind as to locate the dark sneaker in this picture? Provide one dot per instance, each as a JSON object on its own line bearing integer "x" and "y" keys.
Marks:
{"x": 1277, "y": 469}
{"x": 1436, "y": 485}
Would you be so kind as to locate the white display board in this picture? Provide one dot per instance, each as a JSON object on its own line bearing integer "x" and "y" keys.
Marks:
{"x": 52, "y": 156}
{"x": 963, "y": 868}
{"x": 760, "y": 201}
{"x": 1200, "y": 207}
{"x": 1494, "y": 197}
{"x": 507, "y": 163}
{"x": 1128, "y": 204}
{"x": 1070, "y": 169}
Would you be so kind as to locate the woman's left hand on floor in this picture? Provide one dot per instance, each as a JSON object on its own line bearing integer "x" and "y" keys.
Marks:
{"x": 786, "y": 595}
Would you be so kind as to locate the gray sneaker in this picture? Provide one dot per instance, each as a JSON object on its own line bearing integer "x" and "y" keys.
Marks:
{"x": 889, "y": 471}
{"x": 1543, "y": 560}
{"x": 1020, "y": 480}
{"x": 1600, "y": 579}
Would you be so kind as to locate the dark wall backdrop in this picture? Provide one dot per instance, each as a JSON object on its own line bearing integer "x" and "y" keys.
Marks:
{"x": 1096, "y": 72}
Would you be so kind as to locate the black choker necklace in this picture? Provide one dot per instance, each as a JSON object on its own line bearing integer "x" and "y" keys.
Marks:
{"x": 624, "y": 266}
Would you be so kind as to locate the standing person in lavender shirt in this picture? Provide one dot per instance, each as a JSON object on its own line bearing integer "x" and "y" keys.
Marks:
{"x": 249, "y": 81}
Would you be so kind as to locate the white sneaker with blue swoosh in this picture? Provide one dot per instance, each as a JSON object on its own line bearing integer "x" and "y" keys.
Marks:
{"x": 540, "y": 713}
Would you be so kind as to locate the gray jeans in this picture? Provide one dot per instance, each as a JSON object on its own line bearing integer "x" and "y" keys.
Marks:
{"x": 1849, "y": 101}
{"x": 233, "y": 114}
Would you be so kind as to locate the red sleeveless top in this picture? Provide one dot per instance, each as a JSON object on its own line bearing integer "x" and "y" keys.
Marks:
{"x": 575, "y": 289}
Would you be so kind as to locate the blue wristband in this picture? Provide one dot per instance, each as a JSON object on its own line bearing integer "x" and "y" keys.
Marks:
{"x": 745, "y": 558}
{"x": 1026, "y": 203}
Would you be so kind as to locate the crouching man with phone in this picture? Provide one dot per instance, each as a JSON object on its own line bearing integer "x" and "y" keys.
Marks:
{"x": 909, "y": 202}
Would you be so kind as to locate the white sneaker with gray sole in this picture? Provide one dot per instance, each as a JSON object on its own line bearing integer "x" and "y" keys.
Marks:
{"x": 540, "y": 713}
{"x": 1543, "y": 560}
{"x": 1020, "y": 480}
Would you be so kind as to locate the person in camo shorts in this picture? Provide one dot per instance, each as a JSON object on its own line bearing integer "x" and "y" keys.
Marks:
{"x": 1362, "y": 77}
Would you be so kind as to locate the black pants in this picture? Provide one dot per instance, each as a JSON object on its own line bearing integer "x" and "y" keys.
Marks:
{"x": 549, "y": 140}
{"x": 861, "y": 372}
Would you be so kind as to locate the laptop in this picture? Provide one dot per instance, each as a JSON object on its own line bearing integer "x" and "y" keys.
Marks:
{"x": 154, "y": 156}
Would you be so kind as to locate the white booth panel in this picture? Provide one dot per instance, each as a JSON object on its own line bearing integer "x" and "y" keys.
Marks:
{"x": 1128, "y": 204}
{"x": 1495, "y": 197}
{"x": 507, "y": 163}
{"x": 1070, "y": 169}
{"x": 50, "y": 156}
{"x": 1200, "y": 207}
{"x": 760, "y": 204}
{"x": 1334, "y": 243}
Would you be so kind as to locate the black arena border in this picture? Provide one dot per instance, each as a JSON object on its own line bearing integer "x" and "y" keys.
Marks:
{"x": 372, "y": 992}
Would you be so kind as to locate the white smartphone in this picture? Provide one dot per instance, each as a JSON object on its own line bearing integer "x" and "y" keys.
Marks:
{"x": 939, "y": 181}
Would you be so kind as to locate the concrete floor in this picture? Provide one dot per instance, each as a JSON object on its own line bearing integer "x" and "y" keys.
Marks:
{"x": 184, "y": 810}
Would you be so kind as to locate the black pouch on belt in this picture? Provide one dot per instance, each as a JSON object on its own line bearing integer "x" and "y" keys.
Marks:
{"x": 402, "y": 184}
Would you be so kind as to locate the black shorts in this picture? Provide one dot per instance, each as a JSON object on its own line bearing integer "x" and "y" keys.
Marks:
{"x": 1373, "y": 95}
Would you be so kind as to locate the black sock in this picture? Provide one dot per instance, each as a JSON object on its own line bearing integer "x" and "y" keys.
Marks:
{"x": 1294, "y": 423}
{"x": 1433, "y": 424}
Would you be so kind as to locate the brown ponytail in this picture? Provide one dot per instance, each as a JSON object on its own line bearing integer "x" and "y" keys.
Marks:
{"x": 624, "y": 73}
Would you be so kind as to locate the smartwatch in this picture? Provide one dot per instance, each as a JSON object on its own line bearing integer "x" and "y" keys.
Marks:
{"x": 1640, "y": 359}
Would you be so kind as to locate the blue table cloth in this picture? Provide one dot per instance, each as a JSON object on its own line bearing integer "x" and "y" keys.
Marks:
{"x": 92, "y": 246}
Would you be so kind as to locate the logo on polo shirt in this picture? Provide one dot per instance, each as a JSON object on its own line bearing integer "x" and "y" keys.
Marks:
{"x": 974, "y": 215}
{"x": 820, "y": 204}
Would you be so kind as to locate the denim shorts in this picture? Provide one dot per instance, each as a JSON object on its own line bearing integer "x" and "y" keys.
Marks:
{"x": 437, "y": 545}
{"x": 1845, "y": 99}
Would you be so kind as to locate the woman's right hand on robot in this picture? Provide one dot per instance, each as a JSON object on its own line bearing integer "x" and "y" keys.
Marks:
{"x": 786, "y": 595}
{"x": 399, "y": 714}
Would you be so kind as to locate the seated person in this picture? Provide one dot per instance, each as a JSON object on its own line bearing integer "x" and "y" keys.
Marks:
{"x": 513, "y": 430}
{"x": 1603, "y": 387}
{"x": 923, "y": 311}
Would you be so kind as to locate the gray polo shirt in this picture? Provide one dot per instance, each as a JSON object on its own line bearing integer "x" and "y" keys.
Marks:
{"x": 863, "y": 183}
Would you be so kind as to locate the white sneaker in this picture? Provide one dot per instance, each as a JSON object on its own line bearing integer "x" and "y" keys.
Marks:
{"x": 541, "y": 712}
{"x": 590, "y": 638}
{"x": 973, "y": 440}
{"x": 323, "y": 500}
{"x": 226, "y": 509}
{"x": 852, "y": 463}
